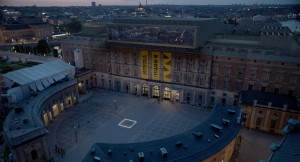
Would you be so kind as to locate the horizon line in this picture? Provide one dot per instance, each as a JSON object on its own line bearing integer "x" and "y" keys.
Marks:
{"x": 262, "y": 4}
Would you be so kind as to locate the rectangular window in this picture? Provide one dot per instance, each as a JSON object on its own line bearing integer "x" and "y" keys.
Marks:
{"x": 263, "y": 89}
{"x": 226, "y": 84}
{"x": 177, "y": 66}
{"x": 126, "y": 71}
{"x": 215, "y": 69}
{"x": 240, "y": 72}
{"x": 189, "y": 79}
{"x": 250, "y": 87}
{"x": 279, "y": 77}
{"x": 177, "y": 78}
{"x": 190, "y": 67}
{"x": 213, "y": 83}
{"x": 202, "y": 68}
{"x": 227, "y": 71}
{"x": 266, "y": 75}
{"x": 135, "y": 61}
{"x": 117, "y": 69}
{"x": 238, "y": 85}
{"x": 273, "y": 124}
{"x": 252, "y": 75}
{"x": 294, "y": 79}
{"x": 135, "y": 72}
{"x": 258, "y": 121}
{"x": 201, "y": 81}
{"x": 125, "y": 59}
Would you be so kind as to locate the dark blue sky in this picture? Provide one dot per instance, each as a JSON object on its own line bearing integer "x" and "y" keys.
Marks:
{"x": 136, "y": 2}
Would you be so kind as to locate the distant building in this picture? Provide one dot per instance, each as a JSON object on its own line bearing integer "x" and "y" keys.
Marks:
{"x": 140, "y": 8}
{"x": 208, "y": 63}
{"x": 28, "y": 29}
{"x": 267, "y": 111}
{"x": 93, "y": 4}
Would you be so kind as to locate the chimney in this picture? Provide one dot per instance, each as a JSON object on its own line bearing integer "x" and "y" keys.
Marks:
{"x": 269, "y": 104}
{"x": 254, "y": 102}
{"x": 284, "y": 107}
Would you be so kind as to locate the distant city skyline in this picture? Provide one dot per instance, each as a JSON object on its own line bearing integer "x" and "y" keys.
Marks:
{"x": 136, "y": 2}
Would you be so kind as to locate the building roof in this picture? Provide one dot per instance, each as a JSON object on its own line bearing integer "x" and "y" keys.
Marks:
{"x": 24, "y": 123}
{"x": 50, "y": 71}
{"x": 288, "y": 150}
{"x": 198, "y": 144}
{"x": 165, "y": 21}
{"x": 16, "y": 26}
{"x": 263, "y": 98}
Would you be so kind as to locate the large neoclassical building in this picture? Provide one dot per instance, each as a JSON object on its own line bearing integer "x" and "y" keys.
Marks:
{"x": 195, "y": 61}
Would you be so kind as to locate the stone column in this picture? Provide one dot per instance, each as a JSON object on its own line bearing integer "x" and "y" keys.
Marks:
{"x": 181, "y": 93}
{"x": 149, "y": 91}
{"x": 266, "y": 121}
{"x": 252, "y": 117}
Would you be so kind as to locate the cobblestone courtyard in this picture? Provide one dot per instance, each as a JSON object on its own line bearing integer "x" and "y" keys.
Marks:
{"x": 129, "y": 119}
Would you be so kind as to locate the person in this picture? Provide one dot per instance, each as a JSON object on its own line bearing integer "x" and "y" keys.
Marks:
{"x": 115, "y": 105}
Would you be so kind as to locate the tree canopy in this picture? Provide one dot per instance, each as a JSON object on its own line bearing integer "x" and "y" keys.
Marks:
{"x": 43, "y": 47}
{"x": 74, "y": 27}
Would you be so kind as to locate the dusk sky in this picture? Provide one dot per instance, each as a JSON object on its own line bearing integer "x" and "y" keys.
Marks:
{"x": 136, "y": 2}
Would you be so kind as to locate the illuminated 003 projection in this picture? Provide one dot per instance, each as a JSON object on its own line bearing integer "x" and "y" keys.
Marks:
{"x": 155, "y": 65}
{"x": 144, "y": 64}
{"x": 167, "y": 66}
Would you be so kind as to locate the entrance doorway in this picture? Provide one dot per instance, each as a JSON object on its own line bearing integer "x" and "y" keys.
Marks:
{"x": 145, "y": 90}
{"x": 34, "y": 155}
{"x": 167, "y": 93}
{"x": 175, "y": 95}
{"x": 155, "y": 90}
{"x": 136, "y": 89}
{"x": 55, "y": 110}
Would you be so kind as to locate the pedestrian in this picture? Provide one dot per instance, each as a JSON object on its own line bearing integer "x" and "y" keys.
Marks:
{"x": 62, "y": 153}
{"x": 58, "y": 150}
{"x": 115, "y": 105}
{"x": 55, "y": 148}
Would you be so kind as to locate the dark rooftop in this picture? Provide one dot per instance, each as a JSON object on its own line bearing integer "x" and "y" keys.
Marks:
{"x": 263, "y": 98}
{"x": 198, "y": 144}
{"x": 288, "y": 150}
{"x": 16, "y": 26}
{"x": 165, "y": 21}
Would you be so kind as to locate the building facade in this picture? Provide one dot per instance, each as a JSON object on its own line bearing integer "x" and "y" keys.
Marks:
{"x": 164, "y": 59}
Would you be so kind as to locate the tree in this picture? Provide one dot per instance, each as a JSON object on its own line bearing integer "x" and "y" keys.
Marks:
{"x": 55, "y": 53}
{"x": 43, "y": 47}
{"x": 74, "y": 27}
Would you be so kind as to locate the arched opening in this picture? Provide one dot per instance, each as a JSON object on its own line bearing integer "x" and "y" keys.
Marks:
{"x": 167, "y": 93}
{"x": 109, "y": 84}
{"x": 155, "y": 90}
{"x": 102, "y": 82}
{"x": 223, "y": 101}
{"x": 117, "y": 86}
{"x": 34, "y": 155}
{"x": 126, "y": 88}
{"x": 135, "y": 89}
{"x": 145, "y": 90}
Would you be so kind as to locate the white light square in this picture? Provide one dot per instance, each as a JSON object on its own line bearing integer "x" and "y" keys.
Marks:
{"x": 127, "y": 123}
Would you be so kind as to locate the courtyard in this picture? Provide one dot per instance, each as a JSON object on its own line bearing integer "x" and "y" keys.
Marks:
{"x": 114, "y": 117}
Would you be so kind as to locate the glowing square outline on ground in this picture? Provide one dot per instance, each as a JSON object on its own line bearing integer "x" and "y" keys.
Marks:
{"x": 125, "y": 126}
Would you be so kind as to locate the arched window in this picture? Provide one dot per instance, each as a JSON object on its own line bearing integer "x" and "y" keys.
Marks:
{"x": 167, "y": 93}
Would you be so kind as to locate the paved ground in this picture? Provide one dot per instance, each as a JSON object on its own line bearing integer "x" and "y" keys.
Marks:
{"x": 255, "y": 145}
{"x": 97, "y": 120}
